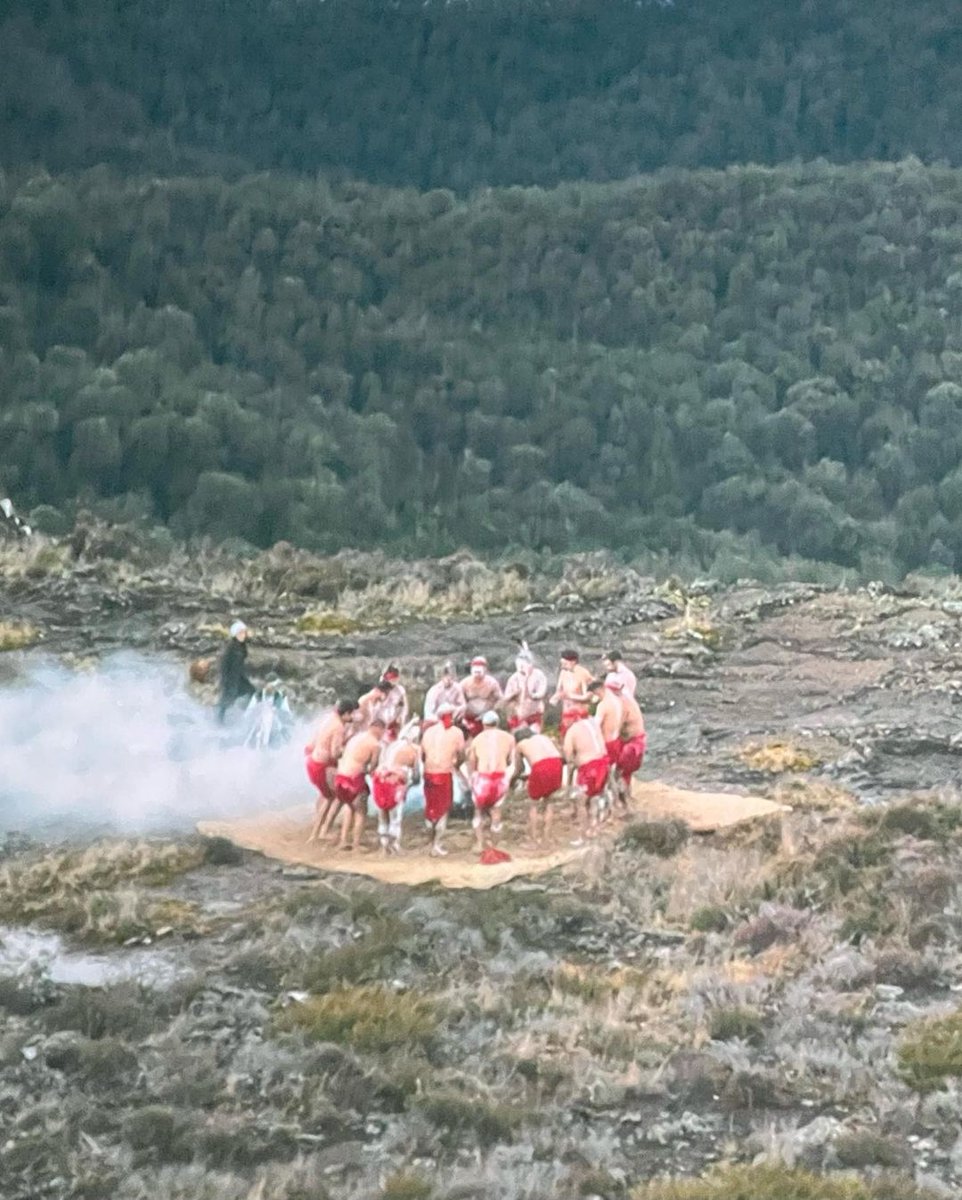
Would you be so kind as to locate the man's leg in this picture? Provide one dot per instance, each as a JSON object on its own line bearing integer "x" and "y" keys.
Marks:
{"x": 477, "y": 824}
{"x": 383, "y": 832}
{"x": 394, "y": 828}
{"x": 533, "y": 822}
{"x": 496, "y": 823}
{"x": 322, "y": 807}
{"x": 437, "y": 836}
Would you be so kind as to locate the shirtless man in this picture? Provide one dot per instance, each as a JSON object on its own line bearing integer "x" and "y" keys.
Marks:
{"x": 442, "y": 751}
{"x": 398, "y": 768}
{"x": 372, "y": 704}
{"x": 482, "y": 694}
{"x": 446, "y": 691}
{"x": 524, "y": 694}
{"x": 322, "y": 755}
{"x": 545, "y": 776}
{"x": 587, "y": 759}
{"x": 572, "y": 690}
{"x": 394, "y": 710}
{"x": 491, "y": 764}
{"x": 614, "y": 664}
{"x": 633, "y": 743}
{"x": 610, "y": 715}
{"x": 358, "y": 758}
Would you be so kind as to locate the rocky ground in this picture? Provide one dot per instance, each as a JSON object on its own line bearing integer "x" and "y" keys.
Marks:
{"x": 183, "y": 1020}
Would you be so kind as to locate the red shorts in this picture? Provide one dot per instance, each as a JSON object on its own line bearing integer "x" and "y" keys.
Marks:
{"x": 488, "y": 788}
{"x": 349, "y": 788}
{"x": 534, "y": 722}
{"x": 545, "y": 778}
{"x": 569, "y": 716}
{"x": 593, "y": 775}
{"x": 438, "y": 794}
{"x": 317, "y": 773}
{"x": 632, "y": 756}
{"x": 614, "y": 751}
{"x": 389, "y": 789}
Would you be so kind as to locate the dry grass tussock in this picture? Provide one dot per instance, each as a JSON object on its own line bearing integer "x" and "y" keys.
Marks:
{"x": 776, "y": 757}
{"x": 33, "y": 559}
{"x": 89, "y": 891}
{"x": 18, "y": 635}
{"x": 696, "y": 624}
{"x": 374, "y": 1019}
{"x": 931, "y": 1051}
{"x": 780, "y": 1183}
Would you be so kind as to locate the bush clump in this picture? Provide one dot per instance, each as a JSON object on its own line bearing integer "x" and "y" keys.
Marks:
{"x": 743, "y": 1023}
{"x": 663, "y": 838}
{"x": 457, "y": 1116}
{"x": 778, "y": 1183}
{"x": 406, "y": 1185}
{"x": 931, "y": 1051}
{"x": 709, "y": 919}
{"x": 367, "y": 1018}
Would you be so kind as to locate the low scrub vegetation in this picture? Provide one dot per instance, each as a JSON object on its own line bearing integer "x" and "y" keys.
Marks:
{"x": 779, "y": 1183}
{"x": 931, "y": 1051}
{"x": 367, "y": 1018}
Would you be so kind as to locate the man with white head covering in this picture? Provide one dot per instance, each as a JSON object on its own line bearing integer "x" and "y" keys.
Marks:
{"x": 491, "y": 760}
{"x": 482, "y": 694}
{"x": 447, "y": 690}
{"x": 525, "y": 692}
{"x": 397, "y": 769}
{"x": 234, "y": 684}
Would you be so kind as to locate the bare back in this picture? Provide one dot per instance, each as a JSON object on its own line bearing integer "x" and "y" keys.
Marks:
{"x": 492, "y": 751}
{"x": 633, "y": 722}
{"x": 330, "y": 738}
{"x": 399, "y": 756}
{"x": 441, "y": 749}
{"x": 536, "y": 748}
{"x": 610, "y": 716}
{"x": 360, "y": 754}
{"x": 584, "y": 743}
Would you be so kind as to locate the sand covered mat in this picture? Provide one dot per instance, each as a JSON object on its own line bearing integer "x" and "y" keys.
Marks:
{"x": 282, "y": 835}
{"x": 704, "y": 812}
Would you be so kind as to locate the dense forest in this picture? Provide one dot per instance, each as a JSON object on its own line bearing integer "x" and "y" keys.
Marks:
{"x": 355, "y": 273}
{"x": 439, "y": 94}
{"x": 772, "y": 352}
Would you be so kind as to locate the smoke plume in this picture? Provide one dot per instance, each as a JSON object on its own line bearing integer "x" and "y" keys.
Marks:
{"x": 125, "y": 749}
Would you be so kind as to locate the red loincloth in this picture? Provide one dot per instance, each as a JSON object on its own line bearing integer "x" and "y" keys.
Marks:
{"x": 488, "y": 788}
{"x": 491, "y": 856}
{"x": 632, "y": 756}
{"x": 438, "y": 794}
{"x": 349, "y": 788}
{"x": 317, "y": 774}
{"x": 534, "y": 722}
{"x": 593, "y": 775}
{"x": 545, "y": 778}
{"x": 569, "y": 716}
{"x": 389, "y": 789}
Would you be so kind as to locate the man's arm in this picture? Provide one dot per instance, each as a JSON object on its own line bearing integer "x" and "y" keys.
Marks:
{"x": 537, "y": 685}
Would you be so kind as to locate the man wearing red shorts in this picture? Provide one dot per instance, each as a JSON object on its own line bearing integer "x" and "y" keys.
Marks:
{"x": 633, "y": 742}
{"x": 545, "y": 766}
{"x": 524, "y": 693}
{"x": 482, "y": 694}
{"x": 610, "y": 715}
{"x": 442, "y": 751}
{"x": 360, "y": 757}
{"x": 572, "y": 691}
{"x": 397, "y": 769}
{"x": 586, "y": 756}
{"x": 322, "y": 755}
{"x": 491, "y": 763}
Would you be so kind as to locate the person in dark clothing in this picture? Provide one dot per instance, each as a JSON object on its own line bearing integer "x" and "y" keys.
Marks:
{"x": 234, "y": 684}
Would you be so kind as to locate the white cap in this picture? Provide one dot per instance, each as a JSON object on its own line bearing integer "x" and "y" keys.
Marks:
{"x": 445, "y": 710}
{"x": 411, "y": 731}
{"x": 237, "y": 627}
{"x": 613, "y": 681}
{"x": 490, "y": 718}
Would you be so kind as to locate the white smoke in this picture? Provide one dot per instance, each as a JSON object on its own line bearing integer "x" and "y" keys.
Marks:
{"x": 126, "y": 749}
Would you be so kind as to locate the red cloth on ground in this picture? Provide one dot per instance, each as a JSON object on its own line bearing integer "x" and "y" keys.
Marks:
{"x": 491, "y": 855}
{"x": 570, "y": 715}
{"x": 488, "y": 788}
{"x": 389, "y": 789}
{"x": 545, "y": 778}
{"x": 347, "y": 788}
{"x": 632, "y": 756}
{"x": 317, "y": 774}
{"x": 592, "y": 775}
{"x": 438, "y": 794}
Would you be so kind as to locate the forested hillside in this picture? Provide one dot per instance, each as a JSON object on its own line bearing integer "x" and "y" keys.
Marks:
{"x": 776, "y": 353}
{"x": 456, "y": 95}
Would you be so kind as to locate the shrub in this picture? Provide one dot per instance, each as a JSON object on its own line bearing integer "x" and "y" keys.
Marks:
{"x": 709, "y": 919}
{"x": 363, "y": 961}
{"x": 107, "y": 1063}
{"x": 17, "y": 636}
{"x": 663, "y": 838}
{"x": 743, "y": 1023}
{"x": 457, "y": 1116}
{"x": 367, "y": 1018}
{"x": 865, "y": 1148}
{"x": 778, "y": 1183}
{"x": 405, "y": 1185}
{"x": 159, "y": 1131}
{"x": 931, "y": 1051}
{"x": 221, "y": 852}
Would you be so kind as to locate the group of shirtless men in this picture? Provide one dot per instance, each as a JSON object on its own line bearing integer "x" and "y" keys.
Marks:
{"x": 601, "y": 729}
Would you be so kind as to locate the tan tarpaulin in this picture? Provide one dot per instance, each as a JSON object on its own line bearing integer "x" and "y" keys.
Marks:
{"x": 282, "y": 835}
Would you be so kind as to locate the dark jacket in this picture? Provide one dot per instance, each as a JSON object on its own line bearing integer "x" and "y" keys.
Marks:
{"x": 233, "y": 675}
